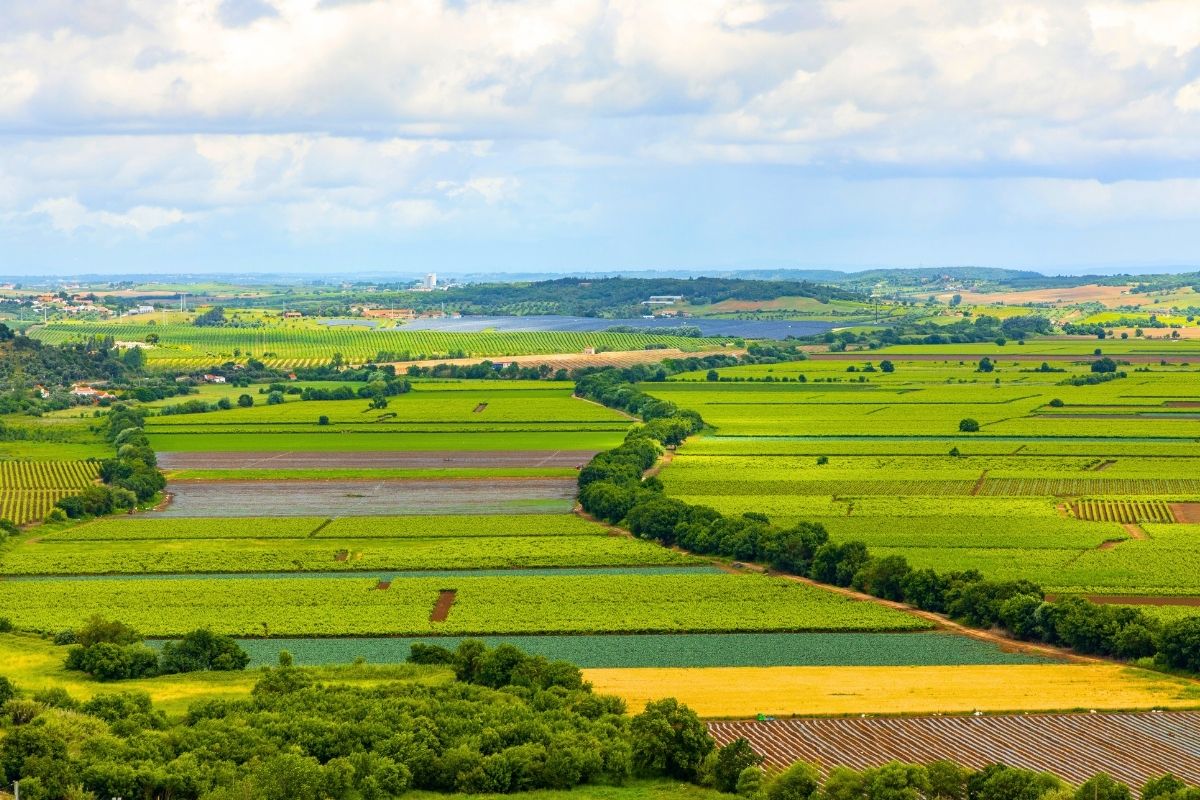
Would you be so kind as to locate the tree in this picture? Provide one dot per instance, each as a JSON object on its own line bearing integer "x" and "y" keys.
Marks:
{"x": 245, "y": 401}
{"x": 800, "y": 781}
{"x": 274, "y": 398}
{"x": 134, "y": 358}
{"x": 883, "y": 577}
{"x": 224, "y": 404}
{"x": 1163, "y": 786}
{"x": 968, "y": 425}
{"x": 749, "y": 782}
{"x": 1104, "y": 365}
{"x": 731, "y": 760}
{"x": 985, "y": 365}
{"x": 203, "y": 650}
{"x": 886, "y": 366}
{"x": 323, "y": 419}
{"x": 1179, "y": 644}
{"x": 1102, "y": 787}
{"x": 712, "y": 375}
{"x": 668, "y": 738}
{"x": 7, "y": 690}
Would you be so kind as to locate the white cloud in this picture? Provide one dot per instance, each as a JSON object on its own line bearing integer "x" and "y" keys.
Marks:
{"x": 68, "y": 215}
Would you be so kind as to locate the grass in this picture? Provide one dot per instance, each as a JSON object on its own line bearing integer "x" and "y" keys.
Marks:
{"x": 33, "y": 663}
{"x": 740, "y": 692}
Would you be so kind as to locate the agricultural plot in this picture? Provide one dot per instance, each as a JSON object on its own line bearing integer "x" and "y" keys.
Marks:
{"x": 333, "y": 440}
{"x": 302, "y": 498}
{"x": 380, "y": 459}
{"x": 352, "y": 555}
{"x": 678, "y": 650}
{"x": 29, "y": 489}
{"x": 181, "y": 346}
{"x": 483, "y": 605}
{"x": 1056, "y": 486}
{"x": 147, "y": 528}
{"x": 1131, "y": 748}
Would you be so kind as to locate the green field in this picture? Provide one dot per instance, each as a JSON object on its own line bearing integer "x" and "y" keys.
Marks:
{"x": 183, "y": 346}
{"x": 1042, "y": 491}
{"x": 681, "y": 650}
{"x": 319, "y": 606}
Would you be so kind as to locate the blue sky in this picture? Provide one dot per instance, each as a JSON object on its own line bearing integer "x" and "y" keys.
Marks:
{"x": 335, "y": 136}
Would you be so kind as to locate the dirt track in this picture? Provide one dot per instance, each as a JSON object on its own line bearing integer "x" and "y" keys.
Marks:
{"x": 375, "y": 459}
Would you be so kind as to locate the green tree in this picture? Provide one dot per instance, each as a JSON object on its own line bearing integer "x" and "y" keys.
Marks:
{"x": 1102, "y": 787}
{"x": 245, "y": 401}
{"x": 668, "y": 738}
{"x": 968, "y": 425}
{"x": 985, "y": 365}
{"x": 274, "y": 398}
{"x": 732, "y": 759}
{"x": 800, "y": 781}
{"x": 1179, "y": 644}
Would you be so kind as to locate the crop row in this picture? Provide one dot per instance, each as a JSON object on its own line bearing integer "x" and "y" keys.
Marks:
{"x": 26, "y": 505}
{"x": 987, "y": 487}
{"x": 47, "y": 474}
{"x": 1123, "y": 510}
{"x": 331, "y": 606}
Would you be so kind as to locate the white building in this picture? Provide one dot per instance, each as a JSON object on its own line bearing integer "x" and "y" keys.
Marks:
{"x": 430, "y": 281}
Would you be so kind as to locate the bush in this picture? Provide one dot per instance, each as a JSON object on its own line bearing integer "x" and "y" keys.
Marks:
{"x": 1179, "y": 644}
{"x": 245, "y": 400}
{"x": 968, "y": 425}
{"x": 798, "y": 782}
{"x": 203, "y": 650}
{"x": 732, "y": 759}
{"x": 323, "y": 420}
{"x": 6, "y": 625}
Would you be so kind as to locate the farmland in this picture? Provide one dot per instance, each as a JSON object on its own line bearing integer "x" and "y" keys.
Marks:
{"x": 1130, "y": 747}
{"x": 290, "y": 345}
{"x": 29, "y": 489}
{"x": 1078, "y": 487}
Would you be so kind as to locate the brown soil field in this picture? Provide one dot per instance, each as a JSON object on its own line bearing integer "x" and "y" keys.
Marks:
{"x": 1110, "y": 296}
{"x": 441, "y": 608}
{"x": 1185, "y": 512}
{"x": 1129, "y": 747}
{"x": 374, "y": 459}
{"x": 303, "y": 498}
{"x": 574, "y": 360}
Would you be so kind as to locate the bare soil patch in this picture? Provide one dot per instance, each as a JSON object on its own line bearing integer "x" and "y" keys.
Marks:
{"x": 375, "y": 459}
{"x": 441, "y": 609}
{"x": 383, "y": 585}
{"x": 341, "y": 555}
{"x": 1103, "y": 465}
{"x": 1181, "y": 404}
{"x": 479, "y": 408}
{"x": 979, "y": 484}
{"x": 1185, "y": 512}
{"x": 1135, "y": 531}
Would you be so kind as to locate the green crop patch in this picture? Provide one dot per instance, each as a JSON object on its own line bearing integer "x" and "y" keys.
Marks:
{"x": 518, "y": 605}
{"x": 449, "y": 526}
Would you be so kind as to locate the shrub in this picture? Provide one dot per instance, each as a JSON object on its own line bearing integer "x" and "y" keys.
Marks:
{"x": 968, "y": 425}
{"x": 203, "y": 650}
{"x": 668, "y": 738}
{"x": 245, "y": 400}
{"x": 798, "y": 782}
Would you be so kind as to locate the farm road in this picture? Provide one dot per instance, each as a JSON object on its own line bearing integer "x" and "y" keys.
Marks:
{"x": 374, "y": 459}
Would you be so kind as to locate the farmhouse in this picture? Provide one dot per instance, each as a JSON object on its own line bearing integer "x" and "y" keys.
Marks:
{"x": 293, "y": 314}
{"x": 85, "y": 392}
{"x": 214, "y": 378}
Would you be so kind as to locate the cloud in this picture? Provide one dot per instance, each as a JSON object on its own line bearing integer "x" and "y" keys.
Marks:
{"x": 411, "y": 117}
{"x": 68, "y": 215}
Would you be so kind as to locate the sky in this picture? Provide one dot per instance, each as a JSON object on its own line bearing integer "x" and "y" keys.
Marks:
{"x": 341, "y": 136}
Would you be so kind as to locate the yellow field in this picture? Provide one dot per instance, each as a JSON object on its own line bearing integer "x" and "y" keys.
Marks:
{"x": 32, "y": 663}
{"x": 790, "y": 691}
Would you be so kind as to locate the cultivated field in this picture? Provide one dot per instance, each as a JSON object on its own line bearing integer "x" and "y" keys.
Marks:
{"x": 1131, "y": 748}
{"x": 29, "y": 489}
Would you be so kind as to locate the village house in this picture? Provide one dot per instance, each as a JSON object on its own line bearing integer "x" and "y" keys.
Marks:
{"x": 214, "y": 378}
{"x": 85, "y": 392}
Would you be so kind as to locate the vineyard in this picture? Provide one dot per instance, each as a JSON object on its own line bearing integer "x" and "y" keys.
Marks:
{"x": 182, "y": 346}
{"x": 1128, "y": 747}
{"x": 29, "y": 489}
{"x": 1123, "y": 510}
